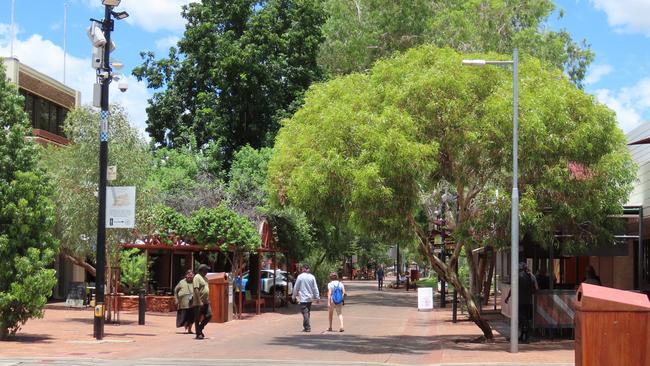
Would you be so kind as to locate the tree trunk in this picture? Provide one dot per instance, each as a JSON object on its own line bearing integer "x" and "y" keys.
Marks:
{"x": 449, "y": 275}
{"x": 4, "y": 333}
{"x": 82, "y": 263}
{"x": 487, "y": 284}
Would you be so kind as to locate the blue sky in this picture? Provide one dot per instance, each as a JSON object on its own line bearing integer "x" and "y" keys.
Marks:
{"x": 618, "y": 30}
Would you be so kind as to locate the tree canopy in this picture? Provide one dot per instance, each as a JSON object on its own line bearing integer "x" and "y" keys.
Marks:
{"x": 359, "y": 32}
{"x": 27, "y": 247}
{"x": 240, "y": 67}
{"x": 73, "y": 170}
{"x": 367, "y": 150}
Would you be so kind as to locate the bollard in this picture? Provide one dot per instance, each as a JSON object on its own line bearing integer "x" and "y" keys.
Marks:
{"x": 142, "y": 305}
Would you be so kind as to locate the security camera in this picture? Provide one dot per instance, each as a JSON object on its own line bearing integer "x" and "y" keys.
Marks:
{"x": 96, "y": 35}
{"x": 123, "y": 85}
{"x": 98, "y": 57}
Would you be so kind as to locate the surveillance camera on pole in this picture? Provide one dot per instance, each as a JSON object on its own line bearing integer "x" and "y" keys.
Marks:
{"x": 96, "y": 35}
{"x": 99, "y": 34}
{"x": 123, "y": 85}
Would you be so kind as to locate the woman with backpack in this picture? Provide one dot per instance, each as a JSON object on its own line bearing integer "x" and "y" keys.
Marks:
{"x": 335, "y": 296}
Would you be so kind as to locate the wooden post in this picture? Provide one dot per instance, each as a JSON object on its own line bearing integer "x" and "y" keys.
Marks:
{"x": 259, "y": 282}
{"x": 241, "y": 286}
{"x": 275, "y": 273}
{"x": 171, "y": 269}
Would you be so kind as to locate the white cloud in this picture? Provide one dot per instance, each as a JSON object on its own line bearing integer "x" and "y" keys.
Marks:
{"x": 630, "y": 16}
{"x": 164, "y": 44}
{"x": 155, "y": 15}
{"x": 47, "y": 58}
{"x": 631, "y": 104}
{"x": 597, "y": 73}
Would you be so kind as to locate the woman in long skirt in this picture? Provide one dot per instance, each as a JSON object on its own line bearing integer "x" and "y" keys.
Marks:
{"x": 183, "y": 296}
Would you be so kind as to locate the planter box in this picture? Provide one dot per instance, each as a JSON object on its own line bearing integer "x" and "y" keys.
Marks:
{"x": 158, "y": 304}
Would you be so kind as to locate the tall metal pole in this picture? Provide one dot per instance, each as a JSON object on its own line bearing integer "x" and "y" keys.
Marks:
{"x": 107, "y": 27}
{"x": 65, "y": 36}
{"x": 13, "y": 26}
{"x": 514, "y": 244}
{"x": 443, "y": 284}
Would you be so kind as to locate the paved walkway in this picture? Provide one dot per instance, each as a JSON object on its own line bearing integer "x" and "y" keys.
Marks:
{"x": 381, "y": 328}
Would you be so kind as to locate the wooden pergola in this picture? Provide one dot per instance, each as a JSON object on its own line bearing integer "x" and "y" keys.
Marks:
{"x": 176, "y": 247}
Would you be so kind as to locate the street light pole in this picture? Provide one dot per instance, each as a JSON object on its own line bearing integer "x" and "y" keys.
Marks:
{"x": 104, "y": 78}
{"x": 514, "y": 226}
{"x": 107, "y": 27}
{"x": 514, "y": 218}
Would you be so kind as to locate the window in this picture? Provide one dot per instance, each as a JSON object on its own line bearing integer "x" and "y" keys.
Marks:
{"x": 44, "y": 114}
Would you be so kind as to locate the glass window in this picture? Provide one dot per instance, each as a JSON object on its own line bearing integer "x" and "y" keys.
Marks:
{"x": 29, "y": 108}
{"x": 60, "y": 119}
{"x": 52, "y": 120}
{"x": 42, "y": 112}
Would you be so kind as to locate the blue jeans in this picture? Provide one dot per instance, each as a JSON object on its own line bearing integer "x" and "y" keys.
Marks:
{"x": 305, "y": 309}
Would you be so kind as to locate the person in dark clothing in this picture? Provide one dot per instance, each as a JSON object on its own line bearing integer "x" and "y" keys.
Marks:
{"x": 527, "y": 286}
{"x": 543, "y": 279}
{"x": 380, "y": 278}
{"x": 591, "y": 276}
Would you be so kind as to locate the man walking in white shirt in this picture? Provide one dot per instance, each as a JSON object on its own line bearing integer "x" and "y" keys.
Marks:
{"x": 305, "y": 290}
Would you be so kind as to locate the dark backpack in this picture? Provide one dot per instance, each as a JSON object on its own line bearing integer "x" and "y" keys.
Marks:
{"x": 337, "y": 294}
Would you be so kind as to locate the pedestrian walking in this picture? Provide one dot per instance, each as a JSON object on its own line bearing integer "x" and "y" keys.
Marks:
{"x": 201, "y": 301}
{"x": 183, "y": 293}
{"x": 335, "y": 297}
{"x": 380, "y": 278}
{"x": 527, "y": 286}
{"x": 305, "y": 290}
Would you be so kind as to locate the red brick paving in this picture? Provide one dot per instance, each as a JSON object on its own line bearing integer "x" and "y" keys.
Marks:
{"x": 382, "y": 327}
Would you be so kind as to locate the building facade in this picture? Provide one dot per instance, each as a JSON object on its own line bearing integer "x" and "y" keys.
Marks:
{"x": 47, "y": 101}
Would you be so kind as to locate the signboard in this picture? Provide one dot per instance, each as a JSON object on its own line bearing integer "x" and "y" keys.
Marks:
{"x": 425, "y": 298}
{"x": 76, "y": 294}
{"x": 111, "y": 172}
{"x": 120, "y": 207}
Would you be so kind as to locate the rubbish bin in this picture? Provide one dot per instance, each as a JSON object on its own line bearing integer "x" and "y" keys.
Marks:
{"x": 612, "y": 327}
{"x": 218, "y": 283}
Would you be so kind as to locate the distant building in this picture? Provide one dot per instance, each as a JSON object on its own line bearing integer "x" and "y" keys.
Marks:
{"x": 47, "y": 102}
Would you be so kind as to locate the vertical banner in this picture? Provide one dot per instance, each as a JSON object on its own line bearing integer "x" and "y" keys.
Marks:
{"x": 425, "y": 298}
{"x": 120, "y": 207}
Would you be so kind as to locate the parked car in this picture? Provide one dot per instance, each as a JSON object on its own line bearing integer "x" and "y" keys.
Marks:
{"x": 267, "y": 284}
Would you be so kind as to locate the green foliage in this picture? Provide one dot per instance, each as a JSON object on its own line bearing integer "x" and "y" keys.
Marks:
{"x": 240, "y": 67}
{"x": 364, "y": 148}
{"x": 27, "y": 246}
{"x": 247, "y": 176}
{"x": 346, "y": 159}
{"x": 133, "y": 268}
{"x": 185, "y": 180}
{"x": 360, "y": 32}
{"x": 293, "y": 231}
{"x": 170, "y": 223}
{"x": 74, "y": 173}
{"x": 222, "y": 227}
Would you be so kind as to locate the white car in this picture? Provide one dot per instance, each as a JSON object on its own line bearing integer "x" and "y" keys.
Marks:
{"x": 267, "y": 285}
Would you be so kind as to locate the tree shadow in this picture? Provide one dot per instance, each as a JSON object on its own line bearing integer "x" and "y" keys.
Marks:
{"x": 29, "y": 338}
{"x": 407, "y": 345}
{"x": 358, "y": 344}
{"x": 383, "y": 298}
{"x": 111, "y": 323}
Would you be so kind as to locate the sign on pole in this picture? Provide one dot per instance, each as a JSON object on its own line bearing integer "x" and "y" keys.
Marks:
{"x": 120, "y": 207}
{"x": 111, "y": 172}
{"x": 425, "y": 298}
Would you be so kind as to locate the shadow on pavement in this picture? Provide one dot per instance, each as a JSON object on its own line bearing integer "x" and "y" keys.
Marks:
{"x": 358, "y": 344}
{"x": 30, "y": 338}
{"x": 405, "y": 344}
{"x": 383, "y": 298}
